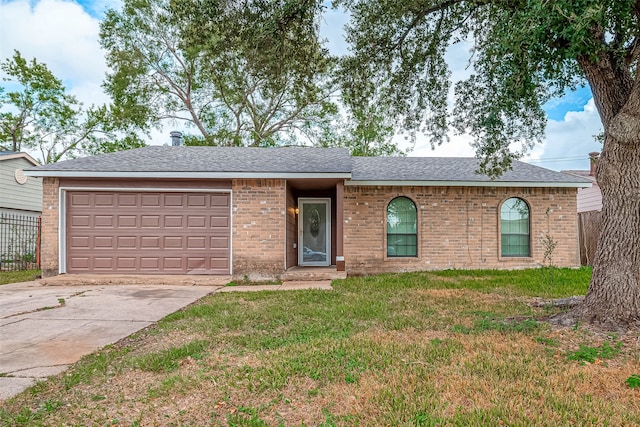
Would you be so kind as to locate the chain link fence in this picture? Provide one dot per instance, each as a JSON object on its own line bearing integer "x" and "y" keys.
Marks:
{"x": 19, "y": 242}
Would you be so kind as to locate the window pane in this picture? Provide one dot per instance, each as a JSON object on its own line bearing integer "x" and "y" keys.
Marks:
{"x": 514, "y": 227}
{"x": 402, "y": 226}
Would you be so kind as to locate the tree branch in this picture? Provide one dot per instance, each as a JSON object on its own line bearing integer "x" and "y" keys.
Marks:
{"x": 421, "y": 15}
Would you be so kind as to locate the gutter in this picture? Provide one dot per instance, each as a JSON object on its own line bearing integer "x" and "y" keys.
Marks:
{"x": 178, "y": 175}
{"x": 469, "y": 184}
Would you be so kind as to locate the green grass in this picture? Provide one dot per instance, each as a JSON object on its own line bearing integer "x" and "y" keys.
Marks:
{"x": 168, "y": 360}
{"x": 413, "y": 349}
{"x": 633, "y": 381}
{"x": 586, "y": 353}
{"x": 7, "y": 277}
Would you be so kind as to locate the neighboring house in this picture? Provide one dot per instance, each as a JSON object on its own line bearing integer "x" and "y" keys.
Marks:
{"x": 258, "y": 212}
{"x": 590, "y": 198}
{"x": 20, "y": 206}
{"x": 589, "y": 206}
{"x": 19, "y": 194}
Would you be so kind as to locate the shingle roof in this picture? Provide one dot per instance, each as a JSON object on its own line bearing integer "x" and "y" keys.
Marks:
{"x": 461, "y": 169}
{"x": 9, "y": 155}
{"x": 229, "y": 162}
{"x": 213, "y": 159}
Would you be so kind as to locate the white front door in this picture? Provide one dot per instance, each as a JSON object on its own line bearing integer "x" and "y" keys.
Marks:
{"x": 314, "y": 231}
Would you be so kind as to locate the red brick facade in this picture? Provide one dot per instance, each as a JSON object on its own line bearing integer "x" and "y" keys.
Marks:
{"x": 458, "y": 227}
{"x": 258, "y": 232}
{"x": 50, "y": 223}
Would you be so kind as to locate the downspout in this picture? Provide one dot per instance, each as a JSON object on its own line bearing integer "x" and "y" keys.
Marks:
{"x": 340, "y": 263}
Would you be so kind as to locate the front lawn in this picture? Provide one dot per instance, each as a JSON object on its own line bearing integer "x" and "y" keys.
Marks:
{"x": 415, "y": 349}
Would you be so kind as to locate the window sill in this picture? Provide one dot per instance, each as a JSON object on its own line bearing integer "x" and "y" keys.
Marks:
{"x": 515, "y": 258}
{"x": 400, "y": 258}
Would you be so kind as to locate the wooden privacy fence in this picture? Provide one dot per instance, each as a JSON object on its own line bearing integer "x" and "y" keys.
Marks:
{"x": 589, "y": 231}
{"x": 19, "y": 242}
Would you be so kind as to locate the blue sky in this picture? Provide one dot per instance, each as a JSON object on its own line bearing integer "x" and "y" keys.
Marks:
{"x": 64, "y": 35}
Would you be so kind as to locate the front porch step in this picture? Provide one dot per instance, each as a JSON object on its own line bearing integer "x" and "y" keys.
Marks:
{"x": 308, "y": 274}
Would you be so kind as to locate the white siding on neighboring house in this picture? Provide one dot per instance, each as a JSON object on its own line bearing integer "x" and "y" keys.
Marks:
{"x": 589, "y": 199}
{"x": 15, "y": 197}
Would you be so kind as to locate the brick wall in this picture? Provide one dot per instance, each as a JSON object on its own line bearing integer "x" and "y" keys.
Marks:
{"x": 458, "y": 227}
{"x": 49, "y": 240}
{"x": 258, "y": 230}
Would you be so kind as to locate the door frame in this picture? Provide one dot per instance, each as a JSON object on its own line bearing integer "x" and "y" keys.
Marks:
{"x": 327, "y": 202}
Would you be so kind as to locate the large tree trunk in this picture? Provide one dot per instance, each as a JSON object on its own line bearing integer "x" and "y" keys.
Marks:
{"x": 613, "y": 299}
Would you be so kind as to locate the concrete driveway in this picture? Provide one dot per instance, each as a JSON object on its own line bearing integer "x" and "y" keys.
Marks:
{"x": 44, "y": 329}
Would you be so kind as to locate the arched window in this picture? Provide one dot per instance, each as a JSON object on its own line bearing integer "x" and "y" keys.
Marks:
{"x": 514, "y": 228}
{"x": 402, "y": 228}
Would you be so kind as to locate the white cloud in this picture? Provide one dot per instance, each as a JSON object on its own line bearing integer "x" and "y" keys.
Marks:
{"x": 60, "y": 34}
{"x": 569, "y": 141}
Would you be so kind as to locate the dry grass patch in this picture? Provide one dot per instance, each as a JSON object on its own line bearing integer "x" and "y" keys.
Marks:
{"x": 408, "y": 350}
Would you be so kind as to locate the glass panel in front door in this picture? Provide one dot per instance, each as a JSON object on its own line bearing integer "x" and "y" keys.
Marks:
{"x": 314, "y": 233}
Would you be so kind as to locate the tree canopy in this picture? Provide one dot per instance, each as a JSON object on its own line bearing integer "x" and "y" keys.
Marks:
{"x": 38, "y": 114}
{"x": 523, "y": 53}
{"x": 206, "y": 64}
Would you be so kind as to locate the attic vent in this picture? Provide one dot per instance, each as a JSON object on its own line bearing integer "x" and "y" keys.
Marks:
{"x": 20, "y": 177}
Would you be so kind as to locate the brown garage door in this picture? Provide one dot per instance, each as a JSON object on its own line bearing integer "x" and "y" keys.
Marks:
{"x": 148, "y": 232}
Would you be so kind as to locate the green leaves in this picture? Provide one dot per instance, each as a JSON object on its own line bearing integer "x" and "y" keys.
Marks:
{"x": 39, "y": 115}
{"x": 253, "y": 73}
{"x": 522, "y": 53}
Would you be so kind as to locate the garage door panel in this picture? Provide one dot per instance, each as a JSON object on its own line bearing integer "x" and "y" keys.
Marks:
{"x": 219, "y": 242}
{"x": 173, "y": 242}
{"x": 127, "y": 242}
{"x": 103, "y": 263}
{"x": 79, "y": 263}
{"x": 150, "y": 221}
{"x": 127, "y": 200}
{"x": 197, "y": 200}
{"x": 196, "y": 262}
{"x": 220, "y": 263}
{"x": 80, "y": 242}
{"x": 150, "y": 200}
{"x": 104, "y": 221}
{"x": 219, "y": 222}
{"x": 174, "y": 200}
{"x": 147, "y": 263}
{"x": 196, "y": 242}
{"x": 196, "y": 221}
{"x": 81, "y": 199}
{"x": 173, "y": 221}
{"x": 150, "y": 242}
{"x": 172, "y": 263}
{"x": 220, "y": 200}
{"x": 80, "y": 221}
{"x": 127, "y": 221}
{"x": 104, "y": 200}
{"x": 126, "y": 263}
{"x": 104, "y": 242}
{"x": 179, "y": 233}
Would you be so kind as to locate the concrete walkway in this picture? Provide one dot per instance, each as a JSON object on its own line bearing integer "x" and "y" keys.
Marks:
{"x": 45, "y": 329}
